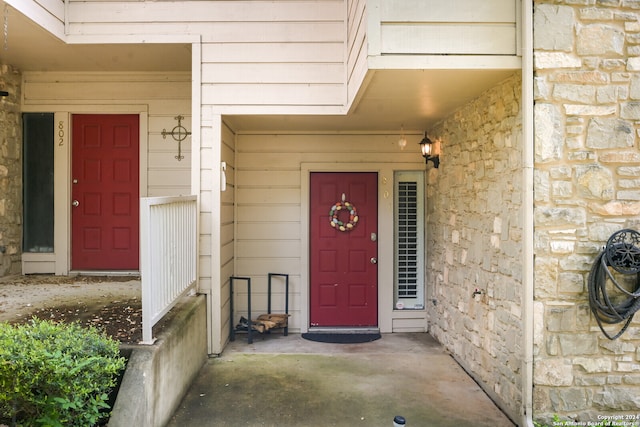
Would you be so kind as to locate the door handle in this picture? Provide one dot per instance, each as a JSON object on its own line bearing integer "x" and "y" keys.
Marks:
{"x": 374, "y": 260}
{"x": 75, "y": 203}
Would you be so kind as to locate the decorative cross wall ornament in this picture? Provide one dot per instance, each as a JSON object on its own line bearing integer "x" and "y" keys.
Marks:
{"x": 179, "y": 133}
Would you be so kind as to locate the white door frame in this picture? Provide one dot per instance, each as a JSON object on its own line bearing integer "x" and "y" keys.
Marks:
{"x": 59, "y": 262}
{"x": 385, "y": 173}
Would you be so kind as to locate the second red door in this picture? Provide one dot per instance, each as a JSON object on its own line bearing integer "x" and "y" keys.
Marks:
{"x": 105, "y": 192}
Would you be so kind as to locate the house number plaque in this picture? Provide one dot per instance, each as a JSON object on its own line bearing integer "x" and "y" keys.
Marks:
{"x": 60, "y": 133}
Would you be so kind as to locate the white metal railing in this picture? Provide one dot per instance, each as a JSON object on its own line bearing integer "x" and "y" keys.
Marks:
{"x": 168, "y": 255}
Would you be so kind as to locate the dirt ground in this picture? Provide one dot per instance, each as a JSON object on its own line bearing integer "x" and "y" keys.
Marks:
{"x": 111, "y": 304}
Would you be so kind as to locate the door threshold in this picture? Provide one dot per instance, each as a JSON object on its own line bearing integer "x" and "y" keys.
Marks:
{"x": 343, "y": 330}
{"x": 113, "y": 273}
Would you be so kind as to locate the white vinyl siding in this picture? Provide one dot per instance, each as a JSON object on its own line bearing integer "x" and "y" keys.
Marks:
{"x": 49, "y": 14}
{"x": 409, "y": 240}
{"x": 157, "y": 97}
{"x": 227, "y": 226}
{"x": 454, "y": 27}
{"x": 306, "y": 56}
{"x": 256, "y": 55}
{"x": 163, "y": 95}
{"x": 357, "y": 66}
{"x": 271, "y": 201}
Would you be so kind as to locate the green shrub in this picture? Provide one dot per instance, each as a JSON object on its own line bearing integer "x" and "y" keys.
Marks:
{"x": 56, "y": 374}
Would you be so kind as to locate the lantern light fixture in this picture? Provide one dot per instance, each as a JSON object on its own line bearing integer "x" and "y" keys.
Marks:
{"x": 428, "y": 151}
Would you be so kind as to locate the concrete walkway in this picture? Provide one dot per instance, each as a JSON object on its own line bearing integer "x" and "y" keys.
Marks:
{"x": 289, "y": 381}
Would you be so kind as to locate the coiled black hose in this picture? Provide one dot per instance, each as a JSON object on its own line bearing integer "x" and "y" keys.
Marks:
{"x": 622, "y": 253}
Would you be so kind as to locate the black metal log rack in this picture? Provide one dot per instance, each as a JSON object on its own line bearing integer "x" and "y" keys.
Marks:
{"x": 247, "y": 280}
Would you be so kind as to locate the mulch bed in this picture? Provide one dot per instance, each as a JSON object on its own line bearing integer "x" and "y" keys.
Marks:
{"x": 121, "y": 320}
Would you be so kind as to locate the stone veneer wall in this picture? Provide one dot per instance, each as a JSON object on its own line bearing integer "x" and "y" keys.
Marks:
{"x": 10, "y": 172}
{"x": 474, "y": 240}
{"x": 587, "y": 186}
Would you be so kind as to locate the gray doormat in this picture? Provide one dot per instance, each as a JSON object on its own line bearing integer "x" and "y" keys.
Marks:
{"x": 341, "y": 338}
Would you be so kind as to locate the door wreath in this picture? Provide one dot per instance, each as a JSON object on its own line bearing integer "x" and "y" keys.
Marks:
{"x": 336, "y": 222}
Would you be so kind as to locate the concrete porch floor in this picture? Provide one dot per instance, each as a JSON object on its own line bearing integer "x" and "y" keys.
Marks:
{"x": 289, "y": 381}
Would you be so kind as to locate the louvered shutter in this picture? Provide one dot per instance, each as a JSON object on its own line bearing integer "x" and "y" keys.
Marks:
{"x": 409, "y": 240}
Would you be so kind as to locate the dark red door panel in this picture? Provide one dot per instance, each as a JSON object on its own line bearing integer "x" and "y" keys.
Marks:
{"x": 344, "y": 273}
{"x": 105, "y": 192}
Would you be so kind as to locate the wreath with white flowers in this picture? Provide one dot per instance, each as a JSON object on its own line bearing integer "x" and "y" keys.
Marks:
{"x": 335, "y": 221}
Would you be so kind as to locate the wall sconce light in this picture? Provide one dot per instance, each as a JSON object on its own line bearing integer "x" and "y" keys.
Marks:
{"x": 4, "y": 93}
{"x": 428, "y": 151}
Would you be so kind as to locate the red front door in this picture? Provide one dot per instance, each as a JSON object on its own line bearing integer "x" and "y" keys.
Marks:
{"x": 344, "y": 273}
{"x": 105, "y": 192}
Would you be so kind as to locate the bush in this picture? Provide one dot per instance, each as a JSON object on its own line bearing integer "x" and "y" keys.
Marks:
{"x": 56, "y": 374}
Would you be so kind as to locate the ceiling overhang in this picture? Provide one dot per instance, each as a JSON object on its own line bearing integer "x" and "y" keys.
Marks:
{"x": 390, "y": 99}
